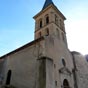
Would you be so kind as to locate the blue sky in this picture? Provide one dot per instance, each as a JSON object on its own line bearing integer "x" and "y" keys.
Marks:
{"x": 17, "y": 24}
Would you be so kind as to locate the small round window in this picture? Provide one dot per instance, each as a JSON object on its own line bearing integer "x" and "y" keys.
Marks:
{"x": 63, "y": 62}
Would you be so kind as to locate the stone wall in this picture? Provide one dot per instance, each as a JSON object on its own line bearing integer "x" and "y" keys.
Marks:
{"x": 24, "y": 67}
{"x": 57, "y": 50}
{"x": 82, "y": 71}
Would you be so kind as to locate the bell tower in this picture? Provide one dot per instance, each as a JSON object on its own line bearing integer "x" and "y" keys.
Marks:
{"x": 50, "y": 21}
{"x": 55, "y": 59}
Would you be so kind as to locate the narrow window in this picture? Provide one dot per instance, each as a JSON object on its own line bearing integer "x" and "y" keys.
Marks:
{"x": 56, "y": 19}
{"x": 47, "y": 19}
{"x": 63, "y": 62}
{"x": 55, "y": 83}
{"x": 61, "y": 24}
{"x": 40, "y": 23}
{"x": 8, "y": 77}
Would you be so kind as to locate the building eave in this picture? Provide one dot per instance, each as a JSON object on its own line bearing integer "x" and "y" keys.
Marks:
{"x": 42, "y": 11}
{"x": 59, "y": 12}
{"x": 23, "y": 47}
{"x": 50, "y": 6}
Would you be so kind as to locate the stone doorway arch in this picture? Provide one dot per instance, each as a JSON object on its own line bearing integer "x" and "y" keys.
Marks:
{"x": 66, "y": 84}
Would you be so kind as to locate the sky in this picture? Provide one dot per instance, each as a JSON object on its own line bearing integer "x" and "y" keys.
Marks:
{"x": 17, "y": 24}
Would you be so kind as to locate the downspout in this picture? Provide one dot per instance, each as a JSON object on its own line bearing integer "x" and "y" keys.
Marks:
{"x": 74, "y": 71}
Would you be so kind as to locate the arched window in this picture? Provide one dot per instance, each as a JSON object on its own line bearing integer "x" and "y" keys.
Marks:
{"x": 40, "y": 24}
{"x": 47, "y": 19}
{"x": 47, "y": 32}
{"x": 66, "y": 84}
{"x": 8, "y": 77}
{"x": 56, "y": 19}
{"x": 63, "y": 62}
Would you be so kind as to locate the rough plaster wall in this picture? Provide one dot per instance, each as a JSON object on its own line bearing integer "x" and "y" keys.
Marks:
{"x": 24, "y": 67}
{"x": 2, "y": 71}
{"x": 82, "y": 71}
{"x": 56, "y": 50}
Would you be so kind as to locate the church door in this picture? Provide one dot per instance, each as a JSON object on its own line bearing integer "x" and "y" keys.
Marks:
{"x": 66, "y": 84}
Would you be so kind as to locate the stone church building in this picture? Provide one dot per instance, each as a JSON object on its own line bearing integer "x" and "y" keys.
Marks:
{"x": 46, "y": 62}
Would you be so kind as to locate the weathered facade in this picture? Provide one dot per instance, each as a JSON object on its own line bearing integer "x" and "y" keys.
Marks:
{"x": 45, "y": 62}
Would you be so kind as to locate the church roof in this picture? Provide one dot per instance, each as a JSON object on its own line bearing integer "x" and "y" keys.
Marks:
{"x": 75, "y": 52}
{"x": 23, "y": 47}
{"x": 47, "y": 3}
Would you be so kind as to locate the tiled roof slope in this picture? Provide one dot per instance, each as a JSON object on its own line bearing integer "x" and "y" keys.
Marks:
{"x": 47, "y": 3}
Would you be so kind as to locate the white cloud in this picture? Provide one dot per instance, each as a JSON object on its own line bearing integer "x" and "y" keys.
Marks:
{"x": 77, "y": 34}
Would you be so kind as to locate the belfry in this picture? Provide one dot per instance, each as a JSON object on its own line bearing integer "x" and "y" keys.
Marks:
{"x": 50, "y": 21}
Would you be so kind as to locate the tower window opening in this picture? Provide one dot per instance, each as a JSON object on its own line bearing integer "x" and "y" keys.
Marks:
{"x": 47, "y": 19}
{"x": 61, "y": 24}
{"x": 56, "y": 19}
{"x": 40, "y": 23}
{"x": 47, "y": 32}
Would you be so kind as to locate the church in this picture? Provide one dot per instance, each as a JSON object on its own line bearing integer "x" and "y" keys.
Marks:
{"x": 46, "y": 62}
